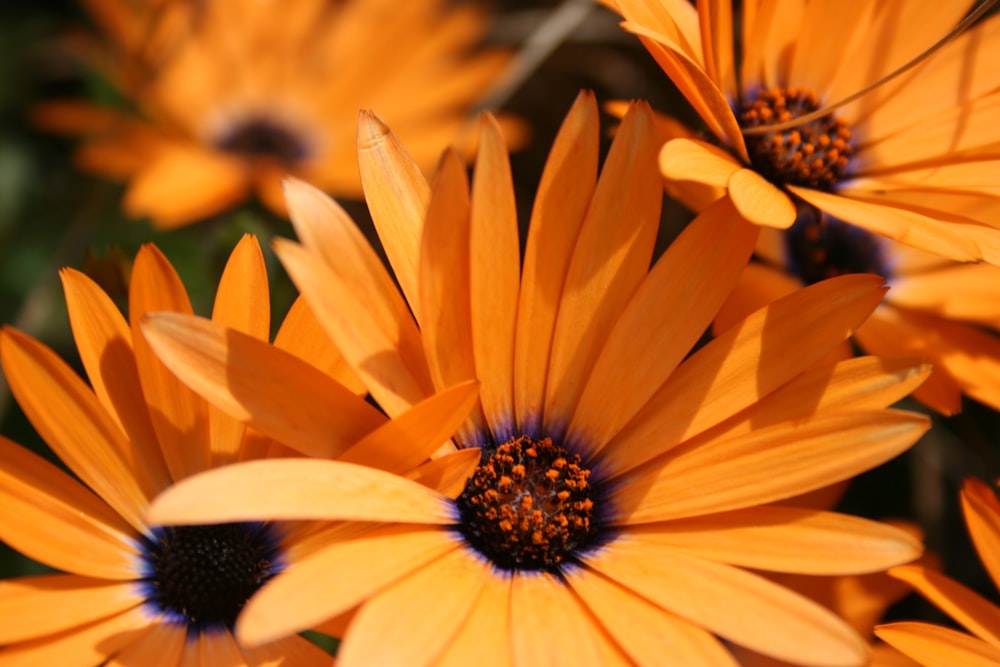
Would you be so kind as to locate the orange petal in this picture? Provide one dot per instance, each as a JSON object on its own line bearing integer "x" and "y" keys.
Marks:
{"x": 179, "y": 416}
{"x": 736, "y": 605}
{"x": 716, "y": 23}
{"x": 760, "y": 201}
{"x": 381, "y": 343}
{"x": 744, "y": 364}
{"x": 861, "y": 383}
{"x": 766, "y": 464}
{"x": 420, "y": 631}
{"x": 397, "y": 196}
{"x": 610, "y": 259}
{"x": 701, "y": 92}
{"x": 447, "y": 474}
{"x": 293, "y": 650}
{"x": 560, "y": 204}
{"x": 965, "y": 354}
{"x": 350, "y": 571}
{"x": 759, "y": 285}
{"x": 183, "y": 184}
{"x": 104, "y": 341}
{"x": 974, "y": 612}
{"x": 52, "y": 518}
{"x": 661, "y": 323}
{"x": 690, "y": 159}
{"x": 982, "y": 516}
{"x": 536, "y": 598}
{"x": 895, "y": 222}
{"x": 91, "y": 644}
{"x": 256, "y": 383}
{"x": 785, "y": 539}
{"x": 643, "y": 630}
{"x": 302, "y": 335}
{"x": 934, "y": 646}
{"x": 444, "y": 306}
{"x": 891, "y": 331}
{"x": 34, "y": 607}
{"x": 243, "y": 303}
{"x": 72, "y": 421}
{"x": 163, "y": 644}
{"x": 403, "y": 443}
{"x": 494, "y": 277}
{"x": 327, "y": 490}
{"x": 968, "y": 292}
{"x": 485, "y": 637}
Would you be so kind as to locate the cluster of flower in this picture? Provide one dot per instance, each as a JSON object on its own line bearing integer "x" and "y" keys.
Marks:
{"x": 501, "y": 457}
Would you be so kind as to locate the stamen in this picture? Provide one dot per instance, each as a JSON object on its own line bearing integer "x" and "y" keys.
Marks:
{"x": 813, "y": 155}
{"x": 259, "y": 137}
{"x": 820, "y": 247}
{"x": 529, "y": 506}
{"x": 203, "y": 575}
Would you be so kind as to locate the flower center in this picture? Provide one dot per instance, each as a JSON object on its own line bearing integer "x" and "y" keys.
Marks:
{"x": 203, "y": 575}
{"x": 814, "y": 154}
{"x": 529, "y": 506}
{"x": 259, "y": 137}
{"x": 818, "y": 247}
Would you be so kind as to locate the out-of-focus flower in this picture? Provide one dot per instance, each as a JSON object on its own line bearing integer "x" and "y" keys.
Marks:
{"x": 936, "y": 308}
{"x": 936, "y": 646}
{"x": 231, "y": 96}
{"x": 914, "y": 159}
{"x": 624, "y": 486}
{"x": 133, "y": 594}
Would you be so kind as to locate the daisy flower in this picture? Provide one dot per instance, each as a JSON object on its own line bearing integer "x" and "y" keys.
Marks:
{"x": 935, "y": 646}
{"x": 943, "y": 310}
{"x": 912, "y": 159}
{"x": 241, "y": 93}
{"x": 624, "y": 487}
{"x": 131, "y": 593}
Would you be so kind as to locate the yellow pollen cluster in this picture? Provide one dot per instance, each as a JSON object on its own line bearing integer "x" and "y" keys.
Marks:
{"x": 815, "y": 154}
{"x": 528, "y": 506}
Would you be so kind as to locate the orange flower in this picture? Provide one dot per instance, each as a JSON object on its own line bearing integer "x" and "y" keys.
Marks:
{"x": 935, "y": 646}
{"x": 935, "y": 308}
{"x": 234, "y": 95}
{"x": 913, "y": 159}
{"x": 134, "y": 594}
{"x": 624, "y": 486}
